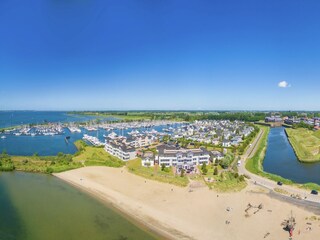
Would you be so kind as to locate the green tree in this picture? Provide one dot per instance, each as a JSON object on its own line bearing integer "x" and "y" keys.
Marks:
{"x": 216, "y": 162}
{"x": 163, "y": 167}
{"x": 182, "y": 173}
{"x": 241, "y": 178}
{"x": 204, "y": 168}
{"x": 215, "y": 171}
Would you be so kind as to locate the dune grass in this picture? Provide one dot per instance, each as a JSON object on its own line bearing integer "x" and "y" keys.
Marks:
{"x": 44, "y": 164}
{"x": 306, "y": 144}
{"x": 227, "y": 182}
{"x": 97, "y": 156}
{"x": 86, "y": 156}
{"x": 155, "y": 173}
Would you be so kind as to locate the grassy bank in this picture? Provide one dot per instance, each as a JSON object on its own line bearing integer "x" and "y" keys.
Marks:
{"x": 2, "y": 130}
{"x": 306, "y": 144}
{"x": 44, "y": 164}
{"x": 155, "y": 173}
{"x": 255, "y": 165}
{"x": 86, "y": 156}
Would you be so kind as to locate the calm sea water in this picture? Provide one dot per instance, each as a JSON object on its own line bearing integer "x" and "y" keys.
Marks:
{"x": 42, "y": 207}
{"x": 14, "y": 118}
{"x": 280, "y": 159}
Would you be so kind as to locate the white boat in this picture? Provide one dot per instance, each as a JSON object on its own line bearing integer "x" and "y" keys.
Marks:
{"x": 91, "y": 128}
{"x": 3, "y": 137}
{"x": 112, "y": 135}
{"x": 74, "y": 129}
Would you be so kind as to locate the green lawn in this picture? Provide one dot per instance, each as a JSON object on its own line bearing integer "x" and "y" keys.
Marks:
{"x": 306, "y": 144}
{"x": 155, "y": 173}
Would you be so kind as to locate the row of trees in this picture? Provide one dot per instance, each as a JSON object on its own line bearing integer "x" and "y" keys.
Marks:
{"x": 248, "y": 140}
{"x": 302, "y": 125}
{"x": 185, "y": 116}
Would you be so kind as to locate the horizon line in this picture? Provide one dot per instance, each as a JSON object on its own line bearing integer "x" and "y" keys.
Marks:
{"x": 155, "y": 110}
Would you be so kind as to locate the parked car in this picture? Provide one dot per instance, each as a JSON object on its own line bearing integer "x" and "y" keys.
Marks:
{"x": 314, "y": 192}
{"x": 279, "y": 183}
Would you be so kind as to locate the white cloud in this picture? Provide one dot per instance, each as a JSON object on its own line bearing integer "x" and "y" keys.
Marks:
{"x": 283, "y": 84}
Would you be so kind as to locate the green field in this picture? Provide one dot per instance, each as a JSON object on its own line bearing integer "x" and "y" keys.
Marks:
{"x": 155, "y": 173}
{"x": 306, "y": 144}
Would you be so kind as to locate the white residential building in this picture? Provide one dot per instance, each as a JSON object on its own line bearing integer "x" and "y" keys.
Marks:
{"x": 140, "y": 141}
{"x": 147, "y": 159}
{"x": 181, "y": 158}
{"x": 226, "y": 143}
{"x": 120, "y": 150}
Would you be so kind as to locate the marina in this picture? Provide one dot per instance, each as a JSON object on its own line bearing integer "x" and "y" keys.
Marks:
{"x": 50, "y": 138}
{"x": 93, "y": 140}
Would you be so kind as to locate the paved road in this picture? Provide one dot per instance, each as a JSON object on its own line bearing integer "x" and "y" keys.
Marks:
{"x": 271, "y": 185}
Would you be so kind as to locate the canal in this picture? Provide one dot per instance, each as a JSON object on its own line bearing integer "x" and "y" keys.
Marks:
{"x": 281, "y": 160}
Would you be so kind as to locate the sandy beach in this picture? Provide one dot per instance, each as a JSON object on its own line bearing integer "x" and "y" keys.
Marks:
{"x": 179, "y": 213}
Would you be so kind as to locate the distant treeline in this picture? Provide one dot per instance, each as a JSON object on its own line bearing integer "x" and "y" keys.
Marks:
{"x": 248, "y": 116}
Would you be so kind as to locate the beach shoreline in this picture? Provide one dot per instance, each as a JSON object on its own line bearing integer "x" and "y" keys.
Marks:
{"x": 177, "y": 213}
{"x": 153, "y": 227}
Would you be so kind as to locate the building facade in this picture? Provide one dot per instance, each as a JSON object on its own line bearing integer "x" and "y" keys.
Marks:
{"x": 120, "y": 150}
{"x": 147, "y": 159}
{"x": 181, "y": 158}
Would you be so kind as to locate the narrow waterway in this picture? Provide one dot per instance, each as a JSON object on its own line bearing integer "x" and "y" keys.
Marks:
{"x": 280, "y": 159}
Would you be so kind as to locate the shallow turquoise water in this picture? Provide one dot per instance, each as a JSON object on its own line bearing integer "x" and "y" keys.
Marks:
{"x": 42, "y": 207}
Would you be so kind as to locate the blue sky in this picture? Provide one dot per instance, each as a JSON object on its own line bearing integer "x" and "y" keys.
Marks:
{"x": 139, "y": 54}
